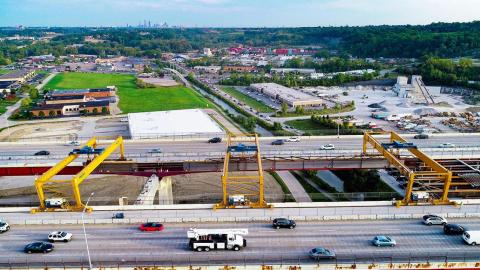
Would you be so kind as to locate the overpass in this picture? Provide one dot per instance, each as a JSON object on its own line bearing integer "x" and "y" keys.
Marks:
{"x": 196, "y": 156}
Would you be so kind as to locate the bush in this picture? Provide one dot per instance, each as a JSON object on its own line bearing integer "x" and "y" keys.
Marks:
{"x": 104, "y": 110}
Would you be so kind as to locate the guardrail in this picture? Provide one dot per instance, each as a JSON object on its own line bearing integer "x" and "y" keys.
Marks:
{"x": 219, "y": 260}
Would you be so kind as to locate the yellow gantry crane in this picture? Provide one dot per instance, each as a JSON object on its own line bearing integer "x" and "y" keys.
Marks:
{"x": 243, "y": 190}
{"x": 99, "y": 155}
{"x": 432, "y": 171}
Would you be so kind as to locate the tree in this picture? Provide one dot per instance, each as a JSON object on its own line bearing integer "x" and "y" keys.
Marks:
{"x": 41, "y": 114}
{"x": 299, "y": 110}
{"x": 26, "y": 102}
{"x": 95, "y": 111}
{"x": 284, "y": 108}
{"x": 147, "y": 69}
{"x": 277, "y": 126}
{"x": 33, "y": 93}
{"x": 104, "y": 110}
{"x": 52, "y": 113}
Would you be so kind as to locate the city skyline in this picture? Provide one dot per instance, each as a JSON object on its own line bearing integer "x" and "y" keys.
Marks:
{"x": 229, "y": 13}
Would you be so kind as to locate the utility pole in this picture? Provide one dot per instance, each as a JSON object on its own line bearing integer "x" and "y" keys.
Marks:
{"x": 85, "y": 233}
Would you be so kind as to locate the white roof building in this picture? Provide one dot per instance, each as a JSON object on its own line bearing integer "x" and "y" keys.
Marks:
{"x": 292, "y": 97}
{"x": 172, "y": 123}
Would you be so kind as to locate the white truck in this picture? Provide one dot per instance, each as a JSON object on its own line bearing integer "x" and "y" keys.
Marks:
{"x": 208, "y": 239}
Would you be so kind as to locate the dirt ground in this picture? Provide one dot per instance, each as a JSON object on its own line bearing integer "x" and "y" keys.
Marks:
{"x": 59, "y": 130}
{"x": 165, "y": 82}
{"x": 207, "y": 188}
{"x": 107, "y": 190}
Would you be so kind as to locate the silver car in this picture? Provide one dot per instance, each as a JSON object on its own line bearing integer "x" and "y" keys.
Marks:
{"x": 319, "y": 253}
{"x": 383, "y": 241}
{"x": 434, "y": 220}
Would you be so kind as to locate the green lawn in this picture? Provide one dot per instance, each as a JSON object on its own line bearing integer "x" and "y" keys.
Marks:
{"x": 132, "y": 98}
{"x": 5, "y": 71}
{"x": 307, "y": 125}
{"x": 5, "y": 103}
{"x": 257, "y": 105}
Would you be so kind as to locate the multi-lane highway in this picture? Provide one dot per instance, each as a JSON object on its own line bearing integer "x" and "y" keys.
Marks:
{"x": 126, "y": 245}
{"x": 465, "y": 143}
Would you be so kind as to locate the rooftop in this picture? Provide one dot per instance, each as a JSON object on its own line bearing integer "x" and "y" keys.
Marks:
{"x": 15, "y": 74}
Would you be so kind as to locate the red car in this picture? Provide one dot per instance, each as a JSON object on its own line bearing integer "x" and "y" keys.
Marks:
{"x": 151, "y": 226}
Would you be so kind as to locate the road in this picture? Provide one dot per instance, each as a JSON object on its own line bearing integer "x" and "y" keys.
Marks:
{"x": 126, "y": 245}
{"x": 344, "y": 146}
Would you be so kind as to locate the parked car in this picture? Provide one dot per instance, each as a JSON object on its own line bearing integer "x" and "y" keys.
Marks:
{"x": 446, "y": 145}
{"x": 155, "y": 151}
{"x": 434, "y": 220}
{"x": 38, "y": 247}
{"x": 4, "y": 226}
{"x": 59, "y": 236}
{"x": 453, "y": 229}
{"x": 382, "y": 241}
{"x": 42, "y": 153}
{"x": 327, "y": 147}
{"x": 321, "y": 253}
{"x": 293, "y": 139}
{"x": 283, "y": 223}
{"x": 151, "y": 226}
{"x": 421, "y": 136}
{"x": 278, "y": 142}
{"x": 215, "y": 140}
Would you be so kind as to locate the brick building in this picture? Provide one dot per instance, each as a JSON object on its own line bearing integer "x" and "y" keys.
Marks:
{"x": 72, "y": 109}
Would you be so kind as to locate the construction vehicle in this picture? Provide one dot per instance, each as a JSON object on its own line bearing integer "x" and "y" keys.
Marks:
{"x": 209, "y": 239}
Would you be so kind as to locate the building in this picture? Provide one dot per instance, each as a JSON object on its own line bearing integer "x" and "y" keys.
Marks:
{"x": 292, "y": 70}
{"x": 292, "y": 97}
{"x": 208, "y": 69}
{"x": 107, "y": 93}
{"x": 172, "y": 123}
{"x": 414, "y": 89}
{"x": 65, "y": 99}
{"x": 73, "y": 109}
{"x": 239, "y": 68}
{"x": 207, "y": 52}
{"x": 18, "y": 76}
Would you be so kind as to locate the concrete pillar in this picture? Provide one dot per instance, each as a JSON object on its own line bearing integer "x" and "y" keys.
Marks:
{"x": 147, "y": 195}
{"x": 165, "y": 194}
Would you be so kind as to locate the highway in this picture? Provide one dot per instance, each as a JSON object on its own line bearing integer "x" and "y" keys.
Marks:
{"x": 465, "y": 143}
{"x": 126, "y": 245}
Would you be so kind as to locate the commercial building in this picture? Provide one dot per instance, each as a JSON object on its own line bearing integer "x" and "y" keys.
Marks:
{"x": 414, "y": 89}
{"x": 208, "y": 69}
{"x": 72, "y": 109}
{"x": 292, "y": 97}
{"x": 172, "y": 123}
{"x": 107, "y": 93}
{"x": 18, "y": 76}
{"x": 292, "y": 70}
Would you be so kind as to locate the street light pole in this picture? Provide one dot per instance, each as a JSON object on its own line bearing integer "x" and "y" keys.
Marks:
{"x": 85, "y": 233}
{"x": 338, "y": 130}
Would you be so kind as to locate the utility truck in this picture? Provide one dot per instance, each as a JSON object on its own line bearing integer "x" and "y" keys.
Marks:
{"x": 208, "y": 239}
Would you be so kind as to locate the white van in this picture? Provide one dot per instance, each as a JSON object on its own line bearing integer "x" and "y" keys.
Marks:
{"x": 471, "y": 237}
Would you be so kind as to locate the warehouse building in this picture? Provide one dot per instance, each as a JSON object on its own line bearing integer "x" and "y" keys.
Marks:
{"x": 292, "y": 97}
{"x": 107, "y": 93}
{"x": 193, "y": 122}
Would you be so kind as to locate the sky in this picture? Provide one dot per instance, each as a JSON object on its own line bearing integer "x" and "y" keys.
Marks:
{"x": 235, "y": 13}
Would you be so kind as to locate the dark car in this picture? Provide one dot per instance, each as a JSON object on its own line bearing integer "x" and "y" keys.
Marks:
{"x": 118, "y": 216}
{"x": 215, "y": 140}
{"x": 151, "y": 226}
{"x": 453, "y": 229}
{"x": 278, "y": 142}
{"x": 38, "y": 247}
{"x": 283, "y": 223}
{"x": 421, "y": 136}
{"x": 42, "y": 153}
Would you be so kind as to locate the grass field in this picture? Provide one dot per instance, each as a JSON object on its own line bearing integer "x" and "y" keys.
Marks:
{"x": 132, "y": 98}
{"x": 5, "y": 103}
{"x": 257, "y": 105}
{"x": 5, "y": 71}
{"x": 307, "y": 125}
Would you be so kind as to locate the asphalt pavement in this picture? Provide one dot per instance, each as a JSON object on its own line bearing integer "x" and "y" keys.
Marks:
{"x": 126, "y": 245}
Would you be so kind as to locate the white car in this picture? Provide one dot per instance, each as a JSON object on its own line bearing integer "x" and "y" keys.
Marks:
{"x": 434, "y": 220}
{"x": 59, "y": 237}
{"x": 72, "y": 143}
{"x": 327, "y": 147}
{"x": 447, "y": 145}
{"x": 293, "y": 139}
{"x": 4, "y": 226}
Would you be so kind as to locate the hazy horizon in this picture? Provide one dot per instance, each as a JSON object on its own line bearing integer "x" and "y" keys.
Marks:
{"x": 235, "y": 14}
